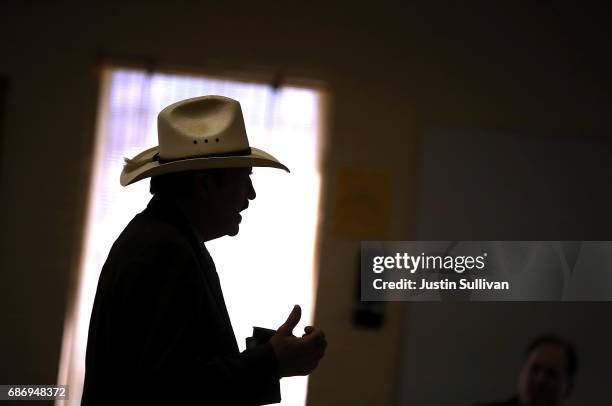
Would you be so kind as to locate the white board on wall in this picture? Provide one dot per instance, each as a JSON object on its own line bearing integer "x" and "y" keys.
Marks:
{"x": 487, "y": 185}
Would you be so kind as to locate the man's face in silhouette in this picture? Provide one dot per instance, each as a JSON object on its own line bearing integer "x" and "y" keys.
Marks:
{"x": 544, "y": 380}
{"x": 227, "y": 196}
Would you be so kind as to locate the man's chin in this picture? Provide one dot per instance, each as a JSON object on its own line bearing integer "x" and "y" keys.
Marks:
{"x": 234, "y": 231}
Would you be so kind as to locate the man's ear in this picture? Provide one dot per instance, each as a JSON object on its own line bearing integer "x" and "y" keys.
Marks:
{"x": 201, "y": 182}
{"x": 208, "y": 181}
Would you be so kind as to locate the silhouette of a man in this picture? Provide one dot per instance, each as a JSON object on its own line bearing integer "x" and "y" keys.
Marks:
{"x": 159, "y": 327}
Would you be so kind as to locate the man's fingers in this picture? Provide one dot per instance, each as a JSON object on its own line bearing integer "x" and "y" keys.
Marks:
{"x": 315, "y": 337}
{"x": 308, "y": 330}
{"x": 292, "y": 321}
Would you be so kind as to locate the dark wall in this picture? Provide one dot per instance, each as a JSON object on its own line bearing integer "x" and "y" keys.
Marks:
{"x": 492, "y": 185}
{"x": 390, "y": 72}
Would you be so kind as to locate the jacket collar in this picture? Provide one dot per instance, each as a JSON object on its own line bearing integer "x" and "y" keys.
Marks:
{"x": 167, "y": 210}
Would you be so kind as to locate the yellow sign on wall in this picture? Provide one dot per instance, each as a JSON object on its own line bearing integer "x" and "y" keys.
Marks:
{"x": 362, "y": 200}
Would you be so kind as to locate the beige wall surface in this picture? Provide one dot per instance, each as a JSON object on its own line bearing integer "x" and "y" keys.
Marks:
{"x": 388, "y": 71}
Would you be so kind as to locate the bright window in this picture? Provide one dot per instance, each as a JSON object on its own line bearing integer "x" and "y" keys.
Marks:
{"x": 274, "y": 269}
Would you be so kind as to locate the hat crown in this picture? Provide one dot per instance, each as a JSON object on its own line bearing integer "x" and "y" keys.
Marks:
{"x": 196, "y": 134}
{"x": 201, "y": 126}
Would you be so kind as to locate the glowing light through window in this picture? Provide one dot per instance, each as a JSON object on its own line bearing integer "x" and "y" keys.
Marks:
{"x": 264, "y": 270}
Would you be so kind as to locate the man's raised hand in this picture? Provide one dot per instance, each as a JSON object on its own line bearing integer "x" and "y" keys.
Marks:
{"x": 297, "y": 355}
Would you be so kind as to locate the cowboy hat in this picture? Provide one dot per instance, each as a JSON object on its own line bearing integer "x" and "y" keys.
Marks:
{"x": 199, "y": 133}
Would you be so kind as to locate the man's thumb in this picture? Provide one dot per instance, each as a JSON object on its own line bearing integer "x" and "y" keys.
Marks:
{"x": 292, "y": 321}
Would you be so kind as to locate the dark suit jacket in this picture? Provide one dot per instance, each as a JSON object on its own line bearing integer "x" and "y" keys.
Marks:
{"x": 160, "y": 329}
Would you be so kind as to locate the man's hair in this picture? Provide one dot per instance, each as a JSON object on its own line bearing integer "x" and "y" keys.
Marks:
{"x": 570, "y": 352}
{"x": 182, "y": 184}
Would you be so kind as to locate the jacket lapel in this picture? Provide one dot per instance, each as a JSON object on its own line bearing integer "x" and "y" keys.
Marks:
{"x": 213, "y": 278}
{"x": 167, "y": 211}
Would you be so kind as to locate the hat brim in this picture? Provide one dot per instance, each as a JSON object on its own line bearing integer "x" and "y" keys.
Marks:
{"x": 257, "y": 158}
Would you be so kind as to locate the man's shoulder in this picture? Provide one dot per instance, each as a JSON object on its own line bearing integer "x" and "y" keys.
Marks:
{"x": 148, "y": 222}
{"x": 148, "y": 232}
{"x": 149, "y": 239}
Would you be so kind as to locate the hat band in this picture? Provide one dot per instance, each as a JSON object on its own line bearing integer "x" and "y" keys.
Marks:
{"x": 242, "y": 152}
